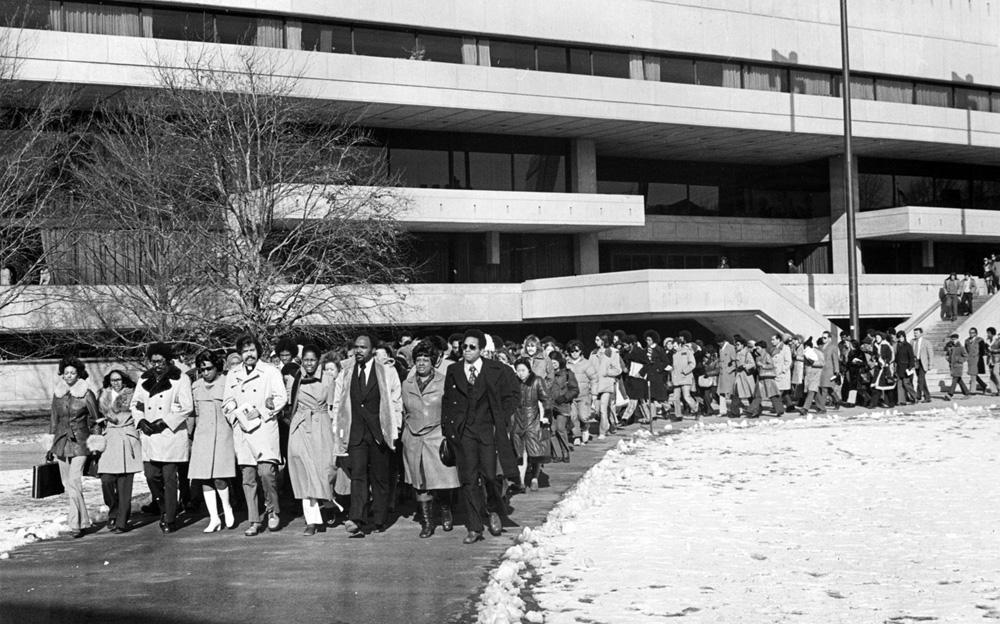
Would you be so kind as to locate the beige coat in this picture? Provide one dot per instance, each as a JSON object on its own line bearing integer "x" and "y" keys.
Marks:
{"x": 167, "y": 399}
{"x": 422, "y": 435}
{"x": 247, "y": 391}
{"x": 123, "y": 450}
{"x": 390, "y": 405}
{"x": 781, "y": 357}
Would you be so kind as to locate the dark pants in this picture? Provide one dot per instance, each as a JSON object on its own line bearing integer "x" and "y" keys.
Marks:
{"x": 371, "y": 467}
{"x": 951, "y": 307}
{"x": 161, "y": 477}
{"x": 961, "y": 384}
{"x": 904, "y": 390}
{"x": 183, "y": 483}
{"x": 474, "y": 460}
{"x": 923, "y": 392}
{"x": 267, "y": 474}
{"x": 966, "y": 304}
{"x": 117, "y": 490}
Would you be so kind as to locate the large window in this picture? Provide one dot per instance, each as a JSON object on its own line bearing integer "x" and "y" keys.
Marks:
{"x": 326, "y": 38}
{"x": 184, "y": 25}
{"x": 763, "y": 78}
{"x": 389, "y": 43}
{"x": 551, "y": 58}
{"x": 421, "y": 168}
{"x": 716, "y": 74}
{"x": 512, "y": 54}
{"x": 610, "y": 64}
{"x": 887, "y": 184}
{"x": 440, "y": 48}
{"x": 677, "y": 70}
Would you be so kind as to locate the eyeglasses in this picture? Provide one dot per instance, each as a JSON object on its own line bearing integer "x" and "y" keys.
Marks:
{"x": 206, "y": 369}
{"x": 116, "y": 380}
{"x": 469, "y": 347}
{"x": 357, "y": 346}
{"x": 157, "y": 360}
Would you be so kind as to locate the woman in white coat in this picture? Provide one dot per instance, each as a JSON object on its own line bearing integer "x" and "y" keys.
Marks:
{"x": 160, "y": 406}
{"x": 254, "y": 397}
{"x": 213, "y": 456}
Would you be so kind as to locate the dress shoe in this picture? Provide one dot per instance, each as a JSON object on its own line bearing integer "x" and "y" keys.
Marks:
{"x": 253, "y": 529}
{"x": 473, "y": 537}
{"x": 213, "y": 525}
{"x": 447, "y": 521}
{"x": 168, "y": 527}
{"x": 273, "y": 522}
{"x": 119, "y": 529}
{"x": 78, "y": 533}
{"x": 495, "y": 525}
{"x": 111, "y": 525}
{"x": 310, "y": 530}
{"x": 152, "y": 509}
{"x": 353, "y": 530}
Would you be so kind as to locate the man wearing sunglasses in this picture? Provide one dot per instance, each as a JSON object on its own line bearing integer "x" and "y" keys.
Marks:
{"x": 480, "y": 396}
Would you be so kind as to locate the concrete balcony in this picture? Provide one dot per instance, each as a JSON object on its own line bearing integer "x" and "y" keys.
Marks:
{"x": 724, "y": 231}
{"x": 634, "y": 118}
{"x": 929, "y": 223}
{"x": 459, "y": 210}
{"x": 879, "y": 296}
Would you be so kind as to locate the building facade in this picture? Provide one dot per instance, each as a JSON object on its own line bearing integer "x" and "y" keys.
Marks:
{"x": 570, "y": 164}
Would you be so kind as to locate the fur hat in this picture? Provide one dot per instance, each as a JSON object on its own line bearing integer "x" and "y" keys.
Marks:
{"x": 96, "y": 443}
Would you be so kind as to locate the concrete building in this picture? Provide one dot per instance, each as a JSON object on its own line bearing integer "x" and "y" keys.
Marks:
{"x": 572, "y": 163}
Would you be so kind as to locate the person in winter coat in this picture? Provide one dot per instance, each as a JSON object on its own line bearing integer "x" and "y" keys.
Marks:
{"x": 253, "y": 401}
{"x": 957, "y": 356}
{"x": 829, "y": 379}
{"x": 74, "y": 419}
{"x": 586, "y": 380}
{"x": 767, "y": 387}
{"x": 906, "y": 365}
{"x": 122, "y": 454}
{"x": 526, "y": 430}
{"x": 813, "y": 364}
{"x": 975, "y": 349}
{"x": 707, "y": 377}
{"x": 160, "y": 406}
{"x": 563, "y": 392}
{"x": 213, "y": 454}
{"x": 727, "y": 378}
{"x": 311, "y": 463}
{"x": 541, "y": 365}
{"x": 682, "y": 375}
{"x": 608, "y": 365}
{"x": 781, "y": 357}
{"x": 423, "y": 392}
{"x": 656, "y": 373}
{"x": 746, "y": 371}
{"x": 885, "y": 372}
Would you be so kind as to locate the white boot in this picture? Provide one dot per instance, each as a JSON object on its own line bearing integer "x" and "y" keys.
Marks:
{"x": 227, "y": 508}
{"x": 214, "y": 524}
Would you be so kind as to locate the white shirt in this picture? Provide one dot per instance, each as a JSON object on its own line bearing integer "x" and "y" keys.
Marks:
{"x": 477, "y": 365}
{"x": 367, "y": 367}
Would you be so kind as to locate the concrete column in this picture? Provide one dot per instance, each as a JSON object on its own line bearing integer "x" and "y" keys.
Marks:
{"x": 838, "y": 215}
{"x": 583, "y": 179}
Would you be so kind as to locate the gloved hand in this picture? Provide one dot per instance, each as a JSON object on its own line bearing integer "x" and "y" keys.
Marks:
{"x": 49, "y": 457}
{"x": 145, "y": 427}
{"x": 159, "y": 426}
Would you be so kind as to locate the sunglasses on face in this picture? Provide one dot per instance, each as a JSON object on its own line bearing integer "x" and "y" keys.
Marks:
{"x": 207, "y": 369}
{"x": 469, "y": 347}
{"x": 116, "y": 380}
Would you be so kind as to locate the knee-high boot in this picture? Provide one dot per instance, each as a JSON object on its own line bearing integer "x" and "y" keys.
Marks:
{"x": 427, "y": 518}
{"x": 444, "y": 502}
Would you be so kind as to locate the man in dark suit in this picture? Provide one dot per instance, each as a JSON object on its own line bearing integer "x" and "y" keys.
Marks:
{"x": 906, "y": 365}
{"x": 480, "y": 396}
{"x": 367, "y": 418}
{"x": 923, "y": 353}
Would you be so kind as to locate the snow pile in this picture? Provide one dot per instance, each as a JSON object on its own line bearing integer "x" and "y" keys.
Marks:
{"x": 24, "y": 519}
{"x": 878, "y": 516}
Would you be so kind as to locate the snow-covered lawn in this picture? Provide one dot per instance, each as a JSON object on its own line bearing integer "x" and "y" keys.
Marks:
{"x": 24, "y": 520}
{"x": 874, "y": 518}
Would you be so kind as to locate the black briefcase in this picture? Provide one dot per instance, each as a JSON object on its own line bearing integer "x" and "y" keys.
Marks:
{"x": 46, "y": 481}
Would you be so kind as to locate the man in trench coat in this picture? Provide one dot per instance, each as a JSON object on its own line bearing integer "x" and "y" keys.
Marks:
{"x": 727, "y": 374}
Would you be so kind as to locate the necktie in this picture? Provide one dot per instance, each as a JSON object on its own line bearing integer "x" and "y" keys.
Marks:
{"x": 361, "y": 376}
{"x": 472, "y": 375}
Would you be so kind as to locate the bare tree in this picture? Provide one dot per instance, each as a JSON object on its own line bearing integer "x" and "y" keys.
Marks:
{"x": 274, "y": 215}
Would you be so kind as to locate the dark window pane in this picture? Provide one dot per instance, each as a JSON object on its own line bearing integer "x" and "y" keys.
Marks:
{"x": 986, "y": 194}
{"x": 677, "y": 70}
{"x": 874, "y": 191}
{"x": 579, "y": 61}
{"x": 512, "y": 54}
{"x": 762, "y": 78}
{"x": 366, "y": 164}
{"x": 894, "y": 91}
{"x": 440, "y": 48}
{"x": 716, "y": 74}
{"x": 389, "y": 43}
{"x": 326, "y": 38}
{"x": 25, "y": 14}
{"x": 489, "y": 172}
{"x": 612, "y": 187}
{"x": 610, "y": 64}
{"x": 995, "y": 101}
{"x": 539, "y": 172}
{"x": 235, "y": 29}
{"x": 914, "y": 191}
{"x": 420, "y": 168}
{"x": 812, "y": 83}
{"x": 704, "y": 198}
{"x": 951, "y": 193}
{"x": 667, "y": 199}
{"x": 184, "y": 25}
{"x": 551, "y": 58}
{"x": 972, "y": 99}
{"x": 459, "y": 179}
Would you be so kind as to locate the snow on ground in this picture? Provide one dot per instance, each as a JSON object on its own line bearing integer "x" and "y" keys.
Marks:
{"x": 24, "y": 519}
{"x": 880, "y": 517}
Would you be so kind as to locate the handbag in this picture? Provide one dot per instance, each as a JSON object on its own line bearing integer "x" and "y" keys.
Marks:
{"x": 46, "y": 480}
{"x": 446, "y": 453}
{"x": 90, "y": 466}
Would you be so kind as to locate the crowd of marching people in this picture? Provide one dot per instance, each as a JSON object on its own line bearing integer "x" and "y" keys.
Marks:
{"x": 465, "y": 422}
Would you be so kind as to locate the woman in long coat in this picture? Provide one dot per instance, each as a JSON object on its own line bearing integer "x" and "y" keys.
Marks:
{"x": 813, "y": 363}
{"x": 122, "y": 455}
{"x": 608, "y": 365}
{"x": 563, "y": 391}
{"x": 74, "y": 418}
{"x": 746, "y": 368}
{"x": 213, "y": 454}
{"x": 656, "y": 373}
{"x": 423, "y": 391}
{"x": 311, "y": 462}
{"x": 885, "y": 373}
{"x": 526, "y": 432}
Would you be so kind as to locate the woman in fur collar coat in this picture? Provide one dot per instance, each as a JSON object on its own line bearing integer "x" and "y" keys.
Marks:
{"x": 74, "y": 417}
{"x": 121, "y": 457}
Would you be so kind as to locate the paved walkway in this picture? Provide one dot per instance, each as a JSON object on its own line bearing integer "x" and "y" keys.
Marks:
{"x": 195, "y": 578}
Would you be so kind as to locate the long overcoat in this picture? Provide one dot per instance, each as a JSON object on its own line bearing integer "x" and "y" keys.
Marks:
{"x": 251, "y": 390}
{"x": 74, "y": 417}
{"x": 422, "y": 435}
{"x": 390, "y": 411}
{"x": 123, "y": 450}
{"x": 727, "y": 369}
{"x": 166, "y": 398}
{"x": 213, "y": 453}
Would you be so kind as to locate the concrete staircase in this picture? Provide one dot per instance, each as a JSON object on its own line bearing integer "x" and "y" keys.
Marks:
{"x": 936, "y": 331}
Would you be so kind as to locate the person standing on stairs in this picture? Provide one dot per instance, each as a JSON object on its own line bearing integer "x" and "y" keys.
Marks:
{"x": 952, "y": 287}
{"x": 968, "y": 289}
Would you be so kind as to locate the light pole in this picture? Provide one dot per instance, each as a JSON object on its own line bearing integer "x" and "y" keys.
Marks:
{"x": 852, "y": 243}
